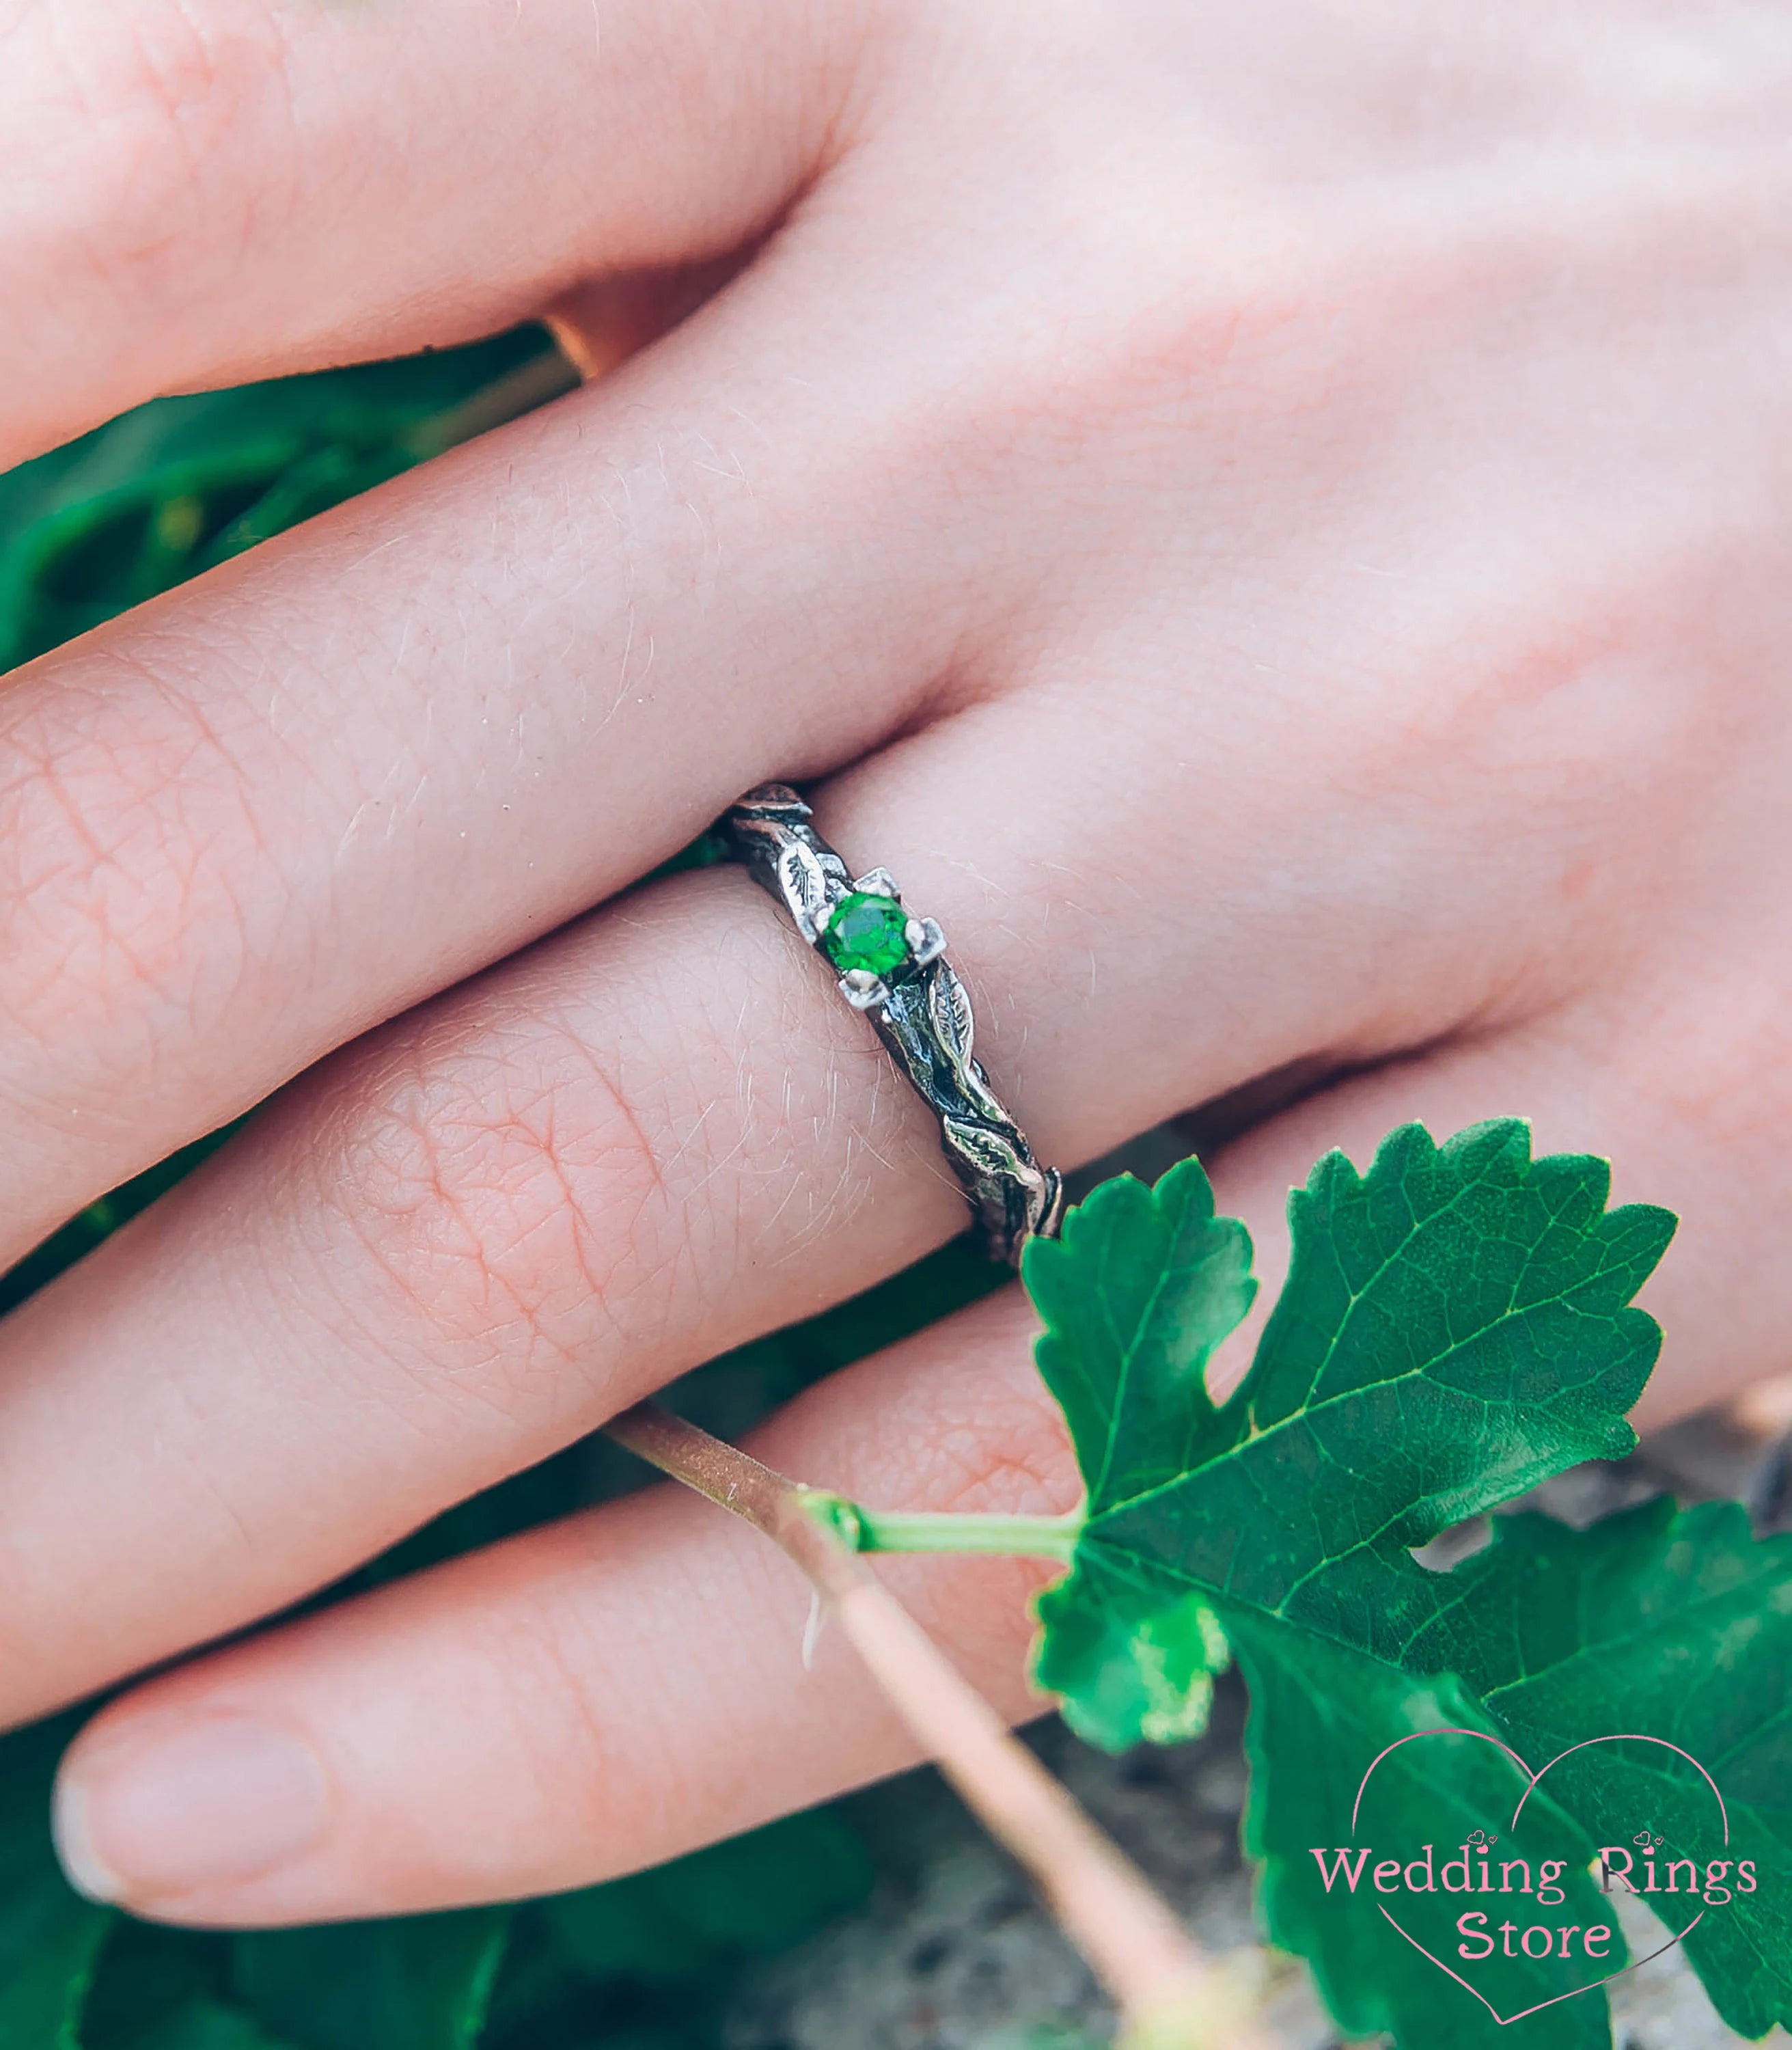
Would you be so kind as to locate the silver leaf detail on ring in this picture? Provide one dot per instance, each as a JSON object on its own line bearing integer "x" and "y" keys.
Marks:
{"x": 892, "y": 966}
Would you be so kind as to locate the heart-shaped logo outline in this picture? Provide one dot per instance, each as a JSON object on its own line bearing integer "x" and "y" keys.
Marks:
{"x": 1531, "y": 1780}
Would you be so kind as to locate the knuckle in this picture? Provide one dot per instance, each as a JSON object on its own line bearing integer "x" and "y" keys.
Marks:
{"x": 152, "y": 96}
{"x": 1005, "y": 1452}
{"x": 1001, "y": 1450}
{"x": 507, "y": 1194}
{"x": 1022, "y": 1468}
{"x": 114, "y": 897}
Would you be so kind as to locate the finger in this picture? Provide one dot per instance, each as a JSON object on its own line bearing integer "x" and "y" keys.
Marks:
{"x": 219, "y": 194}
{"x": 257, "y": 817}
{"x": 517, "y": 1675}
{"x": 300, "y": 1776}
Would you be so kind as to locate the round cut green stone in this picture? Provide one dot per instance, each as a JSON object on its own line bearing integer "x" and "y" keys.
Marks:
{"x": 866, "y": 932}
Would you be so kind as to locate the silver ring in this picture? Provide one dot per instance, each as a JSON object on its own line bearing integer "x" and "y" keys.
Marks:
{"x": 892, "y": 966}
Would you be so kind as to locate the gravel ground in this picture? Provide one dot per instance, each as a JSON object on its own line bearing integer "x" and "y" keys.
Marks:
{"x": 954, "y": 1953}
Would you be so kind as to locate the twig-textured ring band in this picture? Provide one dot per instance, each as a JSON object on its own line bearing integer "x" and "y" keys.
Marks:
{"x": 892, "y": 966}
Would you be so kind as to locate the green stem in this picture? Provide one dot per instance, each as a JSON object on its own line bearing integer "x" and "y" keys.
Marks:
{"x": 922, "y": 1530}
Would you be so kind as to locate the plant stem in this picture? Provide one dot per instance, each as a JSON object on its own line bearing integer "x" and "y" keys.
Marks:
{"x": 923, "y": 1530}
{"x": 547, "y": 376}
{"x": 1171, "y": 1997}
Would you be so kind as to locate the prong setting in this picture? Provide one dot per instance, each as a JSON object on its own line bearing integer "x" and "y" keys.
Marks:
{"x": 928, "y": 944}
{"x": 862, "y": 990}
{"x": 878, "y": 882}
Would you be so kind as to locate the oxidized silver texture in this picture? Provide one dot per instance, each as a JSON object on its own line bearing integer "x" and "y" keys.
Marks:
{"x": 923, "y": 1016}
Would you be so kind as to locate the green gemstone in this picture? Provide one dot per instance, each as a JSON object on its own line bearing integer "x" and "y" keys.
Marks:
{"x": 866, "y": 932}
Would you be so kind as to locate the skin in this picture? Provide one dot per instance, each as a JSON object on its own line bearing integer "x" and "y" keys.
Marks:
{"x": 1272, "y": 523}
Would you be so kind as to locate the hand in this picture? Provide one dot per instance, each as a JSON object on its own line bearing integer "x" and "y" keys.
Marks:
{"x": 1274, "y": 528}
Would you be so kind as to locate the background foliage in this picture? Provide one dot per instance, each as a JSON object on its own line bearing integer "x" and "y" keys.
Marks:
{"x": 643, "y": 1963}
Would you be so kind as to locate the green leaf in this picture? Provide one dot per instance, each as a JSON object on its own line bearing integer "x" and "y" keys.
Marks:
{"x": 150, "y": 1973}
{"x": 765, "y": 1890}
{"x": 50, "y": 1937}
{"x": 619, "y": 1930}
{"x": 1137, "y": 1293}
{"x": 420, "y": 1982}
{"x": 1126, "y": 1662}
{"x": 1320, "y": 1714}
{"x": 202, "y": 2023}
{"x": 182, "y": 484}
{"x": 1455, "y": 1327}
{"x": 1678, "y": 1624}
{"x": 754, "y": 1894}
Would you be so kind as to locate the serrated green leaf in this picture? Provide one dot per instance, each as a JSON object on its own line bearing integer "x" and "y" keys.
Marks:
{"x": 1320, "y": 1714}
{"x": 1455, "y": 1327}
{"x": 1678, "y": 1624}
{"x": 1135, "y": 1296}
{"x": 417, "y": 1982}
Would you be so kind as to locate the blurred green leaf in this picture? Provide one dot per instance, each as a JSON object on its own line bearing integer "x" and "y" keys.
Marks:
{"x": 621, "y": 1930}
{"x": 763, "y": 1892}
{"x": 421, "y": 1982}
{"x": 140, "y": 505}
{"x": 150, "y": 1974}
{"x": 50, "y": 1937}
{"x": 98, "y": 1220}
{"x": 755, "y": 1893}
{"x": 204, "y": 2024}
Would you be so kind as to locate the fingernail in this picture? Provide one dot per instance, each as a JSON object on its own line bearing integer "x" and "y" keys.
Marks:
{"x": 177, "y": 1801}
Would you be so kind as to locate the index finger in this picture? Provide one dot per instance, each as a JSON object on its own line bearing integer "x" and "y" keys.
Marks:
{"x": 199, "y": 194}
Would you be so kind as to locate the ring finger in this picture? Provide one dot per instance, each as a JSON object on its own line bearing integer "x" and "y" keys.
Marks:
{"x": 482, "y": 1231}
